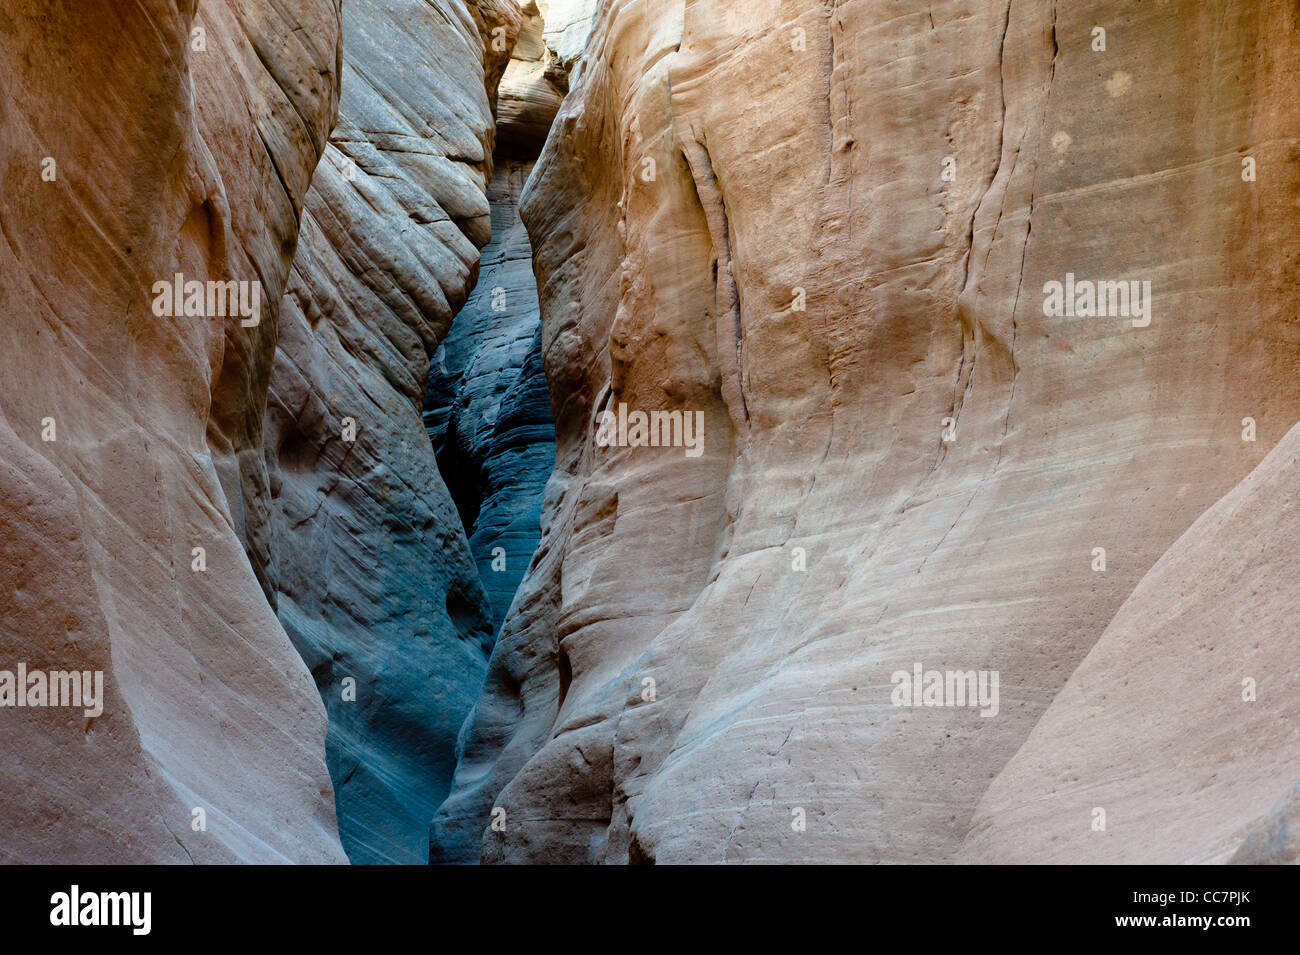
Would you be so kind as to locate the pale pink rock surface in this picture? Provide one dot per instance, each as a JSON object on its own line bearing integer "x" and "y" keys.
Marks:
{"x": 169, "y": 158}
{"x": 1177, "y": 740}
{"x": 801, "y": 145}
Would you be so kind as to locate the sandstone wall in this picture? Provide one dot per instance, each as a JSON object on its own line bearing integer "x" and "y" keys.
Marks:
{"x": 1180, "y": 724}
{"x": 369, "y": 565}
{"x": 887, "y": 405}
{"x": 144, "y": 140}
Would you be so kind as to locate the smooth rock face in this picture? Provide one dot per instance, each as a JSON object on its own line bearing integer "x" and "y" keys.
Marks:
{"x": 1181, "y": 725}
{"x": 136, "y": 149}
{"x": 829, "y": 230}
{"x": 568, "y": 24}
{"x": 371, "y": 572}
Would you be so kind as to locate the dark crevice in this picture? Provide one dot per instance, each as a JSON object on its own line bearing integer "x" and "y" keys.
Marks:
{"x": 487, "y": 407}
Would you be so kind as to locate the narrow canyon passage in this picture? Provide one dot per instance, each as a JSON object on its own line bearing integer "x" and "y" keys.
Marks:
{"x": 369, "y": 567}
{"x": 488, "y": 409}
{"x": 981, "y": 314}
{"x": 678, "y": 662}
{"x": 425, "y": 515}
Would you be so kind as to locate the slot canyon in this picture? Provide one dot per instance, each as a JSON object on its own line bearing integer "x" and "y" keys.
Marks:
{"x": 649, "y": 431}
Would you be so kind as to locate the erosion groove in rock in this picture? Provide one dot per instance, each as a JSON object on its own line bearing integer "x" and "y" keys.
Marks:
{"x": 742, "y": 211}
{"x": 370, "y": 569}
{"x": 185, "y": 150}
{"x": 488, "y": 408}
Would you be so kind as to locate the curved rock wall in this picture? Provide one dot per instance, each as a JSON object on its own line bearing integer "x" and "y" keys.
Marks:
{"x": 370, "y": 569}
{"x": 830, "y": 230}
{"x": 146, "y": 140}
{"x": 1175, "y": 740}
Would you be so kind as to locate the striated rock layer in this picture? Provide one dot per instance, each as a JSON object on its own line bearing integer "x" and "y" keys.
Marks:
{"x": 141, "y": 141}
{"x": 828, "y": 229}
{"x": 369, "y": 566}
{"x": 488, "y": 407}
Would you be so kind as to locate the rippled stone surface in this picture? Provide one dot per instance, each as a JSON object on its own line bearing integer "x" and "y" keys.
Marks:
{"x": 370, "y": 569}
{"x": 143, "y": 140}
{"x": 830, "y": 230}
